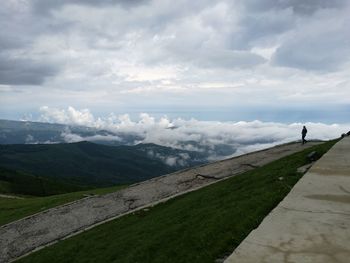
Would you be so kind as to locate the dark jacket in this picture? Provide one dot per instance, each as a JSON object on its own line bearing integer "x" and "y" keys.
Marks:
{"x": 304, "y": 131}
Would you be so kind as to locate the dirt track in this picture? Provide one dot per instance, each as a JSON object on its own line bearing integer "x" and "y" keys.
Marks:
{"x": 31, "y": 233}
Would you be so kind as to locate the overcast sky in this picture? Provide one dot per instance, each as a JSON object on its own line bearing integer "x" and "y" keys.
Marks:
{"x": 268, "y": 60}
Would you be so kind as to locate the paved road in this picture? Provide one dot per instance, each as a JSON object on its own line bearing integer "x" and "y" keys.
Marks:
{"x": 312, "y": 223}
{"x": 23, "y": 236}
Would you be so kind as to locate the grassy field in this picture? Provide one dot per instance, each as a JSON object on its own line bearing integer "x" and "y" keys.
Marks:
{"x": 20, "y": 183}
{"x": 197, "y": 227}
{"x": 13, "y": 209}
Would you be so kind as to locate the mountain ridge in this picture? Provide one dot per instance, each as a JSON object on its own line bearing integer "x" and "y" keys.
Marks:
{"x": 90, "y": 164}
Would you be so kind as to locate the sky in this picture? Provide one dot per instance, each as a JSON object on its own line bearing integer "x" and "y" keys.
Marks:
{"x": 280, "y": 61}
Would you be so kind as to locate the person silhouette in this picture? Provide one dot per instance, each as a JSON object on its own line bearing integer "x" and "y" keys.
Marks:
{"x": 303, "y": 135}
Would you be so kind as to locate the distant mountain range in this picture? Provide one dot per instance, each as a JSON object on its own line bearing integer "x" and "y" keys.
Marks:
{"x": 90, "y": 164}
{"x": 79, "y": 157}
{"x": 27, "y": 132}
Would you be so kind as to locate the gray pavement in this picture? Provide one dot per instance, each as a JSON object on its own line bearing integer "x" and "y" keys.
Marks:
{"x": 312, "y": 223}
{"x": 34, "y": 232}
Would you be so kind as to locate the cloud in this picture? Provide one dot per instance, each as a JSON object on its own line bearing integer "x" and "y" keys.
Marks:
{"x": 179, "y": 160}
{"x": 70, "y": 137}
{"x": 8, "y": 41}
{"x": 69, "y": 116}
{"x": 228, "y": 59}
{"x": 299, "y": 7}
{"x": 322, "y": 44}
{"x": 262, "y": 29}
{"x": 310, "y": 35}
{"x": 20, "y": 71}
{"x": 171, "y": 161}
{"x": 218, "y": 139}
{"x": 130, "y": 56}
{"x": 44, "y": 6}
{"x": 19, "y": 65}
{"x": 29, "y": 139}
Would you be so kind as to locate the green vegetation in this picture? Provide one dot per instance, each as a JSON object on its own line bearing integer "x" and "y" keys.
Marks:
{"x": 83, "y": 163}
{"x": 16, "y": 182}
{"x": 197, "y": 227}
{"x": 13, "y": 209}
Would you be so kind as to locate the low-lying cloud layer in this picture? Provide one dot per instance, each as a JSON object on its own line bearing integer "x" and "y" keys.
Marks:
{"x": 218, "y": 139}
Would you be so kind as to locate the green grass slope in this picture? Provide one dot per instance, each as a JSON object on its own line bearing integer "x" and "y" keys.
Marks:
{"x": 83, "y": 163}
{"x": 13, "y": 209}
{"x": 197, "y": 227}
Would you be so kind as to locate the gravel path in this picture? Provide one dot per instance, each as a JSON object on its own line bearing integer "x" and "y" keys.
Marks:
{"x": 45, "y": 228}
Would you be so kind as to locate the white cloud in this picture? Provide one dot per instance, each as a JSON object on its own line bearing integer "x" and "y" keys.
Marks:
{"x": 178, "y": 160}
{"x": 29, "y": 139}
{"x": 219, "y": 138}
{"x": 171, "y": 161}
{"x": 70, "y": 137}
{"x": 69, "y": 116}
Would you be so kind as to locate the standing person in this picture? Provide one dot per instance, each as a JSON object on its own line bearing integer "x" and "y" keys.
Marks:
{"x": 303, "y": 134}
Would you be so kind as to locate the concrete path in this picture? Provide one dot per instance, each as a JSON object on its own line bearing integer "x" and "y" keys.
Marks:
{"x": 312, "y": 223}
{"x": 23, "y": 236}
